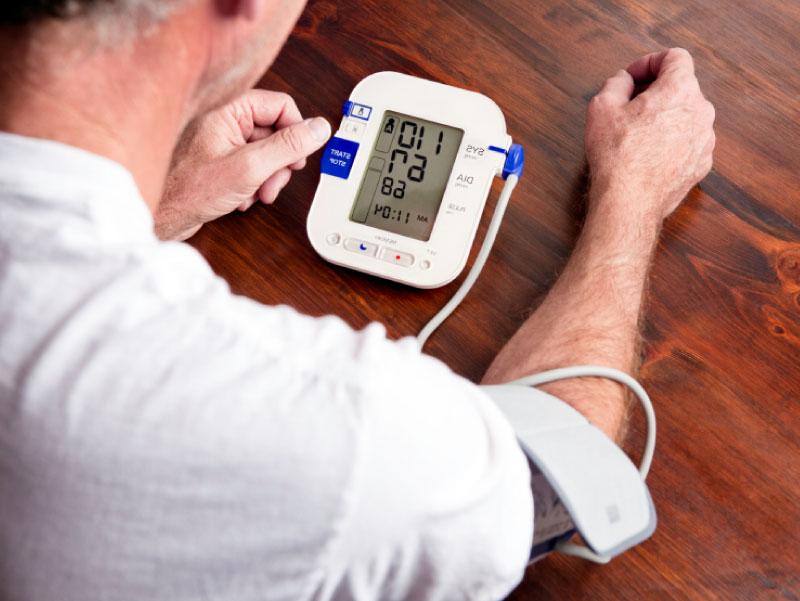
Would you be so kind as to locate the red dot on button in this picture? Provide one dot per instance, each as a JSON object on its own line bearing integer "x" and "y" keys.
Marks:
{"x": 397, "y": 257}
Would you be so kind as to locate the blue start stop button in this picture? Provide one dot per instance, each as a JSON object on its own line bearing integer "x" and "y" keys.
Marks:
{"x": 338, "y": 158}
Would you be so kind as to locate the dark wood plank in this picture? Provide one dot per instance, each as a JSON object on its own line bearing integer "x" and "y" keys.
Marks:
{"x": 722, "y": 332}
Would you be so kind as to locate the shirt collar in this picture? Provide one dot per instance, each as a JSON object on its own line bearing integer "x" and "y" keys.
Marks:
{"x": 75, "y": 180}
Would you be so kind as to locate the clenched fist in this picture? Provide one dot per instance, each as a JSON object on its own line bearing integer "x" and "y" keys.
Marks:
{"x": 232, "y": 157}
{"x": 648, "y": 151}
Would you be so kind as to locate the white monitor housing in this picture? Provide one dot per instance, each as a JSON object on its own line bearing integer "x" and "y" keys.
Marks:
{"x": 405, "y": 179}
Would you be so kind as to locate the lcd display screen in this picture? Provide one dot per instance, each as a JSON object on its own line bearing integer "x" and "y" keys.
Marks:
{"x": 406, "y": 175}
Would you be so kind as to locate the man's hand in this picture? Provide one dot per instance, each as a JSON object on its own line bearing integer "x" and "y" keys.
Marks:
{"x": 232, "y": 157}
{"x": 645, "y": 154}
{"x": 653, "y": 149}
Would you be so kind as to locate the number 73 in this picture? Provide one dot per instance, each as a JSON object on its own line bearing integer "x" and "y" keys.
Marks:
{"x": 416, "y": 173}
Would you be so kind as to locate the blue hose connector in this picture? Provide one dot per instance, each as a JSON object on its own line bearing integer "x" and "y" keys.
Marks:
{"x": 515, "y": 161}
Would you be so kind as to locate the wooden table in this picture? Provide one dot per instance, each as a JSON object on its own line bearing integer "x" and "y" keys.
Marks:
{"x": 722, "y": 333}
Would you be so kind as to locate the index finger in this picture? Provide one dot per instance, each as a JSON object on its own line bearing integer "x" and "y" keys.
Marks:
{"x": 618, "y": 89}
{"x": 657, "y": 64}
{"x": 270, "y": 109}
{"x": 262, "y": 133}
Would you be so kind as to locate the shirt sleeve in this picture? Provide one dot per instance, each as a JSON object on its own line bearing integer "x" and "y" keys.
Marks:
{"x": 442, "y": 505}
{"x": 436, "y": 503}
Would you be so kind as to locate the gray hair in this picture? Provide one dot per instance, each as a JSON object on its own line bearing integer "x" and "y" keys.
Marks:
{"x": 25, "y": 12}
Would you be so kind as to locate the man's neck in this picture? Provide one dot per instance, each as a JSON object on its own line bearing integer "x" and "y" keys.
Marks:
{"x": 122, "y": 102}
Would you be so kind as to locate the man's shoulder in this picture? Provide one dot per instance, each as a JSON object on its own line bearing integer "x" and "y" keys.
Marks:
{"x": 137, "y": 390}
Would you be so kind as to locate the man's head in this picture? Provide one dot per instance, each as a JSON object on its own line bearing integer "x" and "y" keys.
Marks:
{"x": 123, "y": 78}
{"x": 229, "y": 43}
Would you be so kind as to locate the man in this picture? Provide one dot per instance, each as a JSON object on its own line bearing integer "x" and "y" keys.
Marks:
{"x": 163, "y": 439}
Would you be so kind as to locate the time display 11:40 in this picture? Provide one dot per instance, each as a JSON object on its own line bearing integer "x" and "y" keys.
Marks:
{"x": 388, "y": 212}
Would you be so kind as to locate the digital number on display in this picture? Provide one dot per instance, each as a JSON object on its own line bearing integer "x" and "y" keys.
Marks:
{"x": 406, "y": 176}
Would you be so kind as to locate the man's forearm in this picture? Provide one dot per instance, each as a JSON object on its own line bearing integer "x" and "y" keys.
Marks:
{"x": 649, "y": 139}
{"x": 591, "y": 315}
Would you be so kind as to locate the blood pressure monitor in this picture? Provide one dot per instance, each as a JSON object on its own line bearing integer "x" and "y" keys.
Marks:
{"x": 403, "y": 186}
{"x": 406, "y": 177}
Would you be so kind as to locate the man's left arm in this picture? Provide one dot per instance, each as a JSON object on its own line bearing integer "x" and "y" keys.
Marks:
{"x": 645, "y": 153}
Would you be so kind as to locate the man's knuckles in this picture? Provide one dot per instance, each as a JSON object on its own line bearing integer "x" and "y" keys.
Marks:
{"x": 709, "y": 112}
{"x": 295, "y": 139}
{"x": 677, "y": 59}
{"x": 598, "y": 103}
{"x": 601, "y": 104}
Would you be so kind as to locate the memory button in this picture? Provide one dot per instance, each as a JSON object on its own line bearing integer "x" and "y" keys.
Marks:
{"x": 397, "y": 257}
{"x": 359, "y": 246}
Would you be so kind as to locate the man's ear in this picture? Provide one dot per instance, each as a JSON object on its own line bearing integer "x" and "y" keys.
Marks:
{"x": 248, "y": 9}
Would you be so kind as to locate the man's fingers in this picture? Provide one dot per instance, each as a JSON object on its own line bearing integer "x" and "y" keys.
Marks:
{"x": 246, "y": 204}
{"x": 288, "y": 146}
{"x": 262, "y": 133}
{"x": 645, "y": 69}
{"x": 270, "y": 189}
{"x": 255, "y": 163}
{"x": 651, "y": 66}
{"x": 301, "y": 164}
{"x": 666, "y": 76}
{"x": 618, "y": 89}
{"x": 265, "y": 108}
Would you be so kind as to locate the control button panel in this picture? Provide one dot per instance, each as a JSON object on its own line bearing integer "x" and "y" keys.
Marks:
{"x": 359, "y": 111}
{"x": 397, "y": 257}
{"x": 339, "y": 156}
{"x": 359, "y": 246}
{"x": 353, "y": 127}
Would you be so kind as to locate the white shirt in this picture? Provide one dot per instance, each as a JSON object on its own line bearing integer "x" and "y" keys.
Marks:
{"x": 162, "y": 438}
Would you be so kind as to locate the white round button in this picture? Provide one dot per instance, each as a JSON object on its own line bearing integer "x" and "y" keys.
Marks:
{"x": 333, "y": 239}
{"x": 425, "y": 264}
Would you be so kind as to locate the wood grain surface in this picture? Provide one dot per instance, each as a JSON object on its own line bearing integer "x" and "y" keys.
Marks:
{"x": 722, "y": 329}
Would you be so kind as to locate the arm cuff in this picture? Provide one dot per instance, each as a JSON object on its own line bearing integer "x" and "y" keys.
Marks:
{"x": 584, "y": 472}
